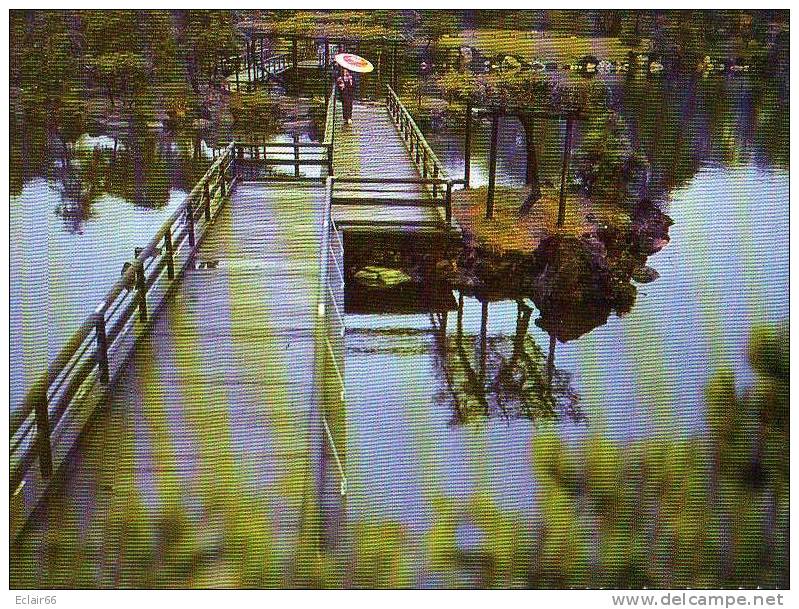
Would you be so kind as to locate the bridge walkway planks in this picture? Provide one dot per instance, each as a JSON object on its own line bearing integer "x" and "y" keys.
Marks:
{"x": 372, "y": 148}
{"x": 200, "y": 471}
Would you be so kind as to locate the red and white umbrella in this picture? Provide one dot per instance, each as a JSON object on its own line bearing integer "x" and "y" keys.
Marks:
{"x": 354, "y": 63}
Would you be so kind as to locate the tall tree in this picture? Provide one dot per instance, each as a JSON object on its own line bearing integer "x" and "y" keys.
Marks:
{"x": 205, "y": 35}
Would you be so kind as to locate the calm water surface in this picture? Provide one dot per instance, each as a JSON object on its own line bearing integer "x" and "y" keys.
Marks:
{"x": 643, "y": 375}
{"x": 77, "y": 220}
{"x": 718, "y": 152}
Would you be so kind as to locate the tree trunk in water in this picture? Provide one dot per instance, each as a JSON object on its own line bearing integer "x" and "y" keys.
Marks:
{"x": 531, "y": 178}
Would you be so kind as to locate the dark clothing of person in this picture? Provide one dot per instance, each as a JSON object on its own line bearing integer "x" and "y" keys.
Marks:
{"x": 346, "y": 86}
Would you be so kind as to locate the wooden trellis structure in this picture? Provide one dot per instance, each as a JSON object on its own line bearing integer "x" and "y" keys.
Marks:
{"x": 496, "y": 112}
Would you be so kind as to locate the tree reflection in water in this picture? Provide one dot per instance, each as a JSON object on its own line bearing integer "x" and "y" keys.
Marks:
{"x": 512, "y": 377}
{"x": 136, "y": 164}
{"x": 575, "y": 284}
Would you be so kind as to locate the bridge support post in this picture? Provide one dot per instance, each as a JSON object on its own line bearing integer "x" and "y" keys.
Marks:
{"x": 247, "y": 61}
{"x": 567, "y": 149}
{"x": 492, "y": 165}
{"x": 467, "y": 148}
{"x": 394, "y": 66}
{"x": 43, "y": 436}
{"x": 190, "y": 222}
{"x": 207, "y": 202}
{"x": 102, "y": 346}
{"x": 296, "y": 156}
{"x": 141, "y": 289}
{"x": 448, "y": 208}
{"x": 170, "y": 257}
{"x": 459, "y": 320}
{"x": 483, "y": 341}
{"x": 261, "y": 58}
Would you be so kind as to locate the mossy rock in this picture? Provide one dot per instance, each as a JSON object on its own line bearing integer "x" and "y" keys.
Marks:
{"x": 381, "y": 277}
{"x": 645, "y": 274}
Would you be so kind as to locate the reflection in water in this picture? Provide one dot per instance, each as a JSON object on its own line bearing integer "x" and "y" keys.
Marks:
{"x": 676, "y": 474}
{"x": 78, "y": 210}
{"x": 511, "y": 376}
{"x": 656, "y": 486}
{"x": 680, "y": 123}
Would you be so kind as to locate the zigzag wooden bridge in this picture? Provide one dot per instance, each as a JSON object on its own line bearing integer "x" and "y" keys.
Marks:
{"x": 187, "y": 390}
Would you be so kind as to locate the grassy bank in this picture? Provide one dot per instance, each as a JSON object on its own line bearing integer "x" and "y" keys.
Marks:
{"x": 537, "y": 45}
{"x": 509, "y": 232}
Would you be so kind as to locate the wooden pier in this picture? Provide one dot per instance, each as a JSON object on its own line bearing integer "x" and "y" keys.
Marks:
{"x": 202, "y": 405}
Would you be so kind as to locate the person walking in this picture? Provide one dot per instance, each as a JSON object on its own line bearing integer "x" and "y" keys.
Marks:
{"x": 346, "y": 86}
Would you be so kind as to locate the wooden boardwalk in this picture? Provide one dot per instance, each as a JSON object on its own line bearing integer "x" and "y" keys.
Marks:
{"x": 211, "y": 463}
{"x": 372, "y": 148}
{"x": 210, "y": 444}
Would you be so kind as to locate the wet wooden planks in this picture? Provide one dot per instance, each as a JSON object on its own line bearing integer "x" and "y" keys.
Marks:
{"x": 199, "y": 471}
{"x": 372, "y": 148}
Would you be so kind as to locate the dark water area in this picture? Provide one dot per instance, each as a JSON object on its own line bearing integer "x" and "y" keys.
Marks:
{"x": 78, "y": 210}
{"x": 680, "y": 123}
{"x": 718, "y": 150}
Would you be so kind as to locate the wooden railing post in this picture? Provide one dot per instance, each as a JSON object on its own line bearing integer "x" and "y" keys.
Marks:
{"x": 296, "y": 156}
{"x": 222, "y": 185}
{"x": 330, "y": 159}
{"x": 43, "y": 436}
{"x": 448, "y": 209}
{"x": 435, "y": 186}
{"x": 424, "y": 163}
{"x": 102, "y": 346}
{"x": 141, "y": 289}
{"x": 170, "y": 257}
{"x": 190, "y": 221}
{"x": 207, "y": 202}
{"x": 467, "y": 149}
{"x": 492, "y": 165}
{"x": 567, "y": 146}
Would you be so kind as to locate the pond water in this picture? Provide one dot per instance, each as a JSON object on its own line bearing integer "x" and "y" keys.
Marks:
{"x": 421, "y": 455}
{"x": 77, "y": 215}
{"x": 418, "y": 439}
{"x": 76, "y": 219}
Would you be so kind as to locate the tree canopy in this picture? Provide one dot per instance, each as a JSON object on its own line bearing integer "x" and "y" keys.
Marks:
{"x": 525, "y": 91}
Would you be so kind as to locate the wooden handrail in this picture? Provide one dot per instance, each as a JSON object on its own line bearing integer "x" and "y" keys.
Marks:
{"x": 296, "y": 154}
{"x": 409, "y": 129}
{"x": 330, "y": 117}
{"x": 77, "y": 361}
{"x": 322, "y": 313}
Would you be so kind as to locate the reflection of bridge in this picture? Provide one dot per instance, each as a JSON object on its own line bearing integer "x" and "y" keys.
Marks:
{"x": 203, "y": 399}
